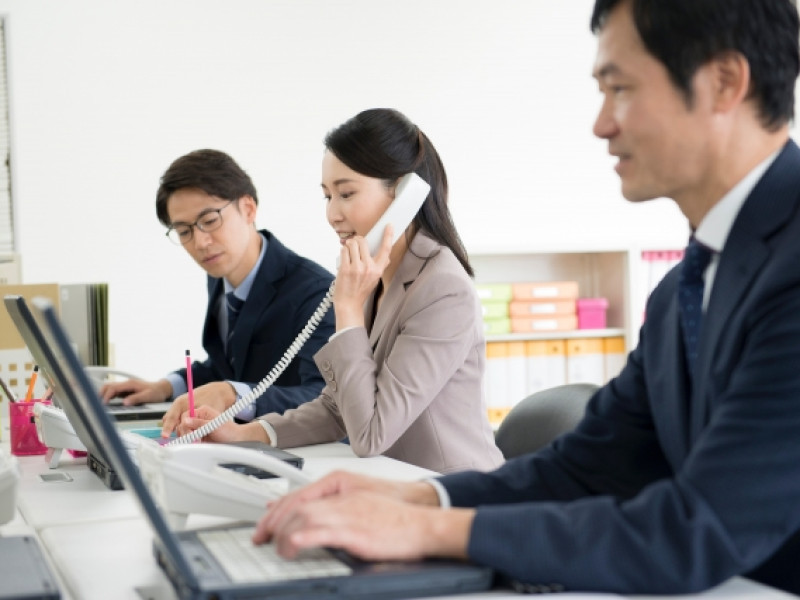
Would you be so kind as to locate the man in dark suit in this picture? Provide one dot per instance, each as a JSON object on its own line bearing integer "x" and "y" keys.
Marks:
{"x": 685, "y": 469}
{"x": 260, "y": 293}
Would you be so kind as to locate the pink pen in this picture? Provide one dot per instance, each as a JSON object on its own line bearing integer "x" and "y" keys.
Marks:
{"x": 189, "y": 384}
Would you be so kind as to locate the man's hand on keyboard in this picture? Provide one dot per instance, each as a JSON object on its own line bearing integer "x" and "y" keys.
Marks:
{"x": 372, "y": 518}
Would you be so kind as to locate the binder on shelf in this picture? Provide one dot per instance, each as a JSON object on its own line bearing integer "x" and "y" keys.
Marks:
{"x": 83, "y": 308}
{"x": 517, "y": 374}
{"x": 496, "y": 380}
{"x": 546, "y": 364}
{"x": 614, "y": 355}
{"x": 586, "y": 361}
{"x": 657, "y": 263}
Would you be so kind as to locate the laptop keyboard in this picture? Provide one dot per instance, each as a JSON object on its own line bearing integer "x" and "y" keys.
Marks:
{"x": 245, "y": 562}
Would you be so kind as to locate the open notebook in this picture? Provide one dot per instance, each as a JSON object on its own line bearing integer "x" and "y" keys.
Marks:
{"x": 222, "y": 562}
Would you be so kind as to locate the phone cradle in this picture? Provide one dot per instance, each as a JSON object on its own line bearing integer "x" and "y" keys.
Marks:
{"x": 189, "y": 478}
{"x": 56, "y": 432}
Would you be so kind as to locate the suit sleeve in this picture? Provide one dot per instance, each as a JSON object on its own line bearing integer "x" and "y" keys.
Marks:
{"x": 202, "y": 372}
{"x": 373, "y": 407}
{"x": 601, "y": 510}
{"x": 279, "y": 398}
{"x": 436, "y": 332}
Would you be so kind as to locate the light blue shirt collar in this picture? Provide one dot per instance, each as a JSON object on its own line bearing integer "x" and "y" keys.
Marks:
{"x": 243, "y": 290}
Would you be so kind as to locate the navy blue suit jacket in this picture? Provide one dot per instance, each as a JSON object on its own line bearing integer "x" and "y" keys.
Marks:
{"x": 286, "y": 291}
{"x": 662, "y": 488}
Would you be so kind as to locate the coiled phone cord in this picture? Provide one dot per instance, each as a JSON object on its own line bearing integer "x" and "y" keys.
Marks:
{"x": 265, "y": 383}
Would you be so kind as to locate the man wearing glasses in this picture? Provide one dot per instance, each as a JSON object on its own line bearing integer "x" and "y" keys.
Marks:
{"x": 260, "y": 293}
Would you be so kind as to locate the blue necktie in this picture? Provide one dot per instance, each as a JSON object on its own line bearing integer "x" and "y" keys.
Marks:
{"x": 690, "y": 297}
{"x": 234, "y": 307}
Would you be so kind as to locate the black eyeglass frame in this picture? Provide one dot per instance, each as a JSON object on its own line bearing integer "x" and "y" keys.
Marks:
{"x": 175, "y": 237}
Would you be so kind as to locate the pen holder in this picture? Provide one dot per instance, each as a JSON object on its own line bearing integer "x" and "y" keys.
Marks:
{"x": 24, "y": 439}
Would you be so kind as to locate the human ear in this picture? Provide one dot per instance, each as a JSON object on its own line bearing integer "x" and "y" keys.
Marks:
{"x": 731, "y": 80}
{"x": 248, "y": 206}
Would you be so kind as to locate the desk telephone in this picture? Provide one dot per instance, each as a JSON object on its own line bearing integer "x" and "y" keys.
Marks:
{"x": 411, "y": 193}
{"x": 55, "y": 431}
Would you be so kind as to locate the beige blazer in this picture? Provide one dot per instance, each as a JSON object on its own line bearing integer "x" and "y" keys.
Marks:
{"x": 410, "y": 388}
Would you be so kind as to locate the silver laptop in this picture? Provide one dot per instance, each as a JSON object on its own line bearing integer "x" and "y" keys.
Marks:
{"x": 137, "y": 412}
{"x": 23, "y": 570}
{"x": 221, "y": 562}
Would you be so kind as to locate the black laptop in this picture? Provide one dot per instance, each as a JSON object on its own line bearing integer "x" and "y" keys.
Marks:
{"x": 24, "y": 572}
{"x": 193, "y": 561}
{"x": 96, "y": 460}
{"x": 34, "y": 339}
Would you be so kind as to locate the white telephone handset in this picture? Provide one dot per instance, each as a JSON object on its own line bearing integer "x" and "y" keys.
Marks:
{"x": 408, "y": 198}
{"x": 410, "y": 194}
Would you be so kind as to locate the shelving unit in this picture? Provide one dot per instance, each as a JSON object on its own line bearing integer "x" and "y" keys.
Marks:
{"x": 606, "y": 274}
{"x": 621, "y": 276}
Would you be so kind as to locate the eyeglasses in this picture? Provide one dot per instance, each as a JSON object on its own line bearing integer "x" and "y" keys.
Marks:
{"x": 208, "y": 221}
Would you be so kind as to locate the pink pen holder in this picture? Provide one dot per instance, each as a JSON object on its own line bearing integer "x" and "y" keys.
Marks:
{"x": 24, "y": 439}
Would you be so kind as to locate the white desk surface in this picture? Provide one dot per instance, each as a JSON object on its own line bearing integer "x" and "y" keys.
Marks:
{"x": 89, "y": 573}
{"x": 100, "y": 546}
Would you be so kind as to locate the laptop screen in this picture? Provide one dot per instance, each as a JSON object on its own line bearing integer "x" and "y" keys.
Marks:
{"x": 43, "y": 356}
{"x": 86, "y": 412}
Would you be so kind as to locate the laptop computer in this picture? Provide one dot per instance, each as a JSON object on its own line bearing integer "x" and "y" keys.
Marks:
{"x": 198, "y": 569}
{"x": 24, "y": 572}
{"x": 34, "y": 339}
{"x": 137, "y": 412}
{"x": 120, "y": 412}
{"x": 98, "y": 463}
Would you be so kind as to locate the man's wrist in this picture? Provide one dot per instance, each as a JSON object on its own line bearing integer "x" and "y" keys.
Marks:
{"x": 424, "y": 493}
{"x": 165, "y": 389}
{"x": 448, "y": 532}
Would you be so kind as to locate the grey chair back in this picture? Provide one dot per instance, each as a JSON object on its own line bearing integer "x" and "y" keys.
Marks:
{"x": 541, "y": 417}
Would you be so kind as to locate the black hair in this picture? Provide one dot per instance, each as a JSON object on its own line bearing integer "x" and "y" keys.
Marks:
{"x": 211, "y": 171}
{"x": 383, "y": 143}
{"x": 686, "y": 34}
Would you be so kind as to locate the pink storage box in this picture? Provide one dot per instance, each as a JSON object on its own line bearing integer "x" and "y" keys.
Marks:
{"x": 592, "y": 313}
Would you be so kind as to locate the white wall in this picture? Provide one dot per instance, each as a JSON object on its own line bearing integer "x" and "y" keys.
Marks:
{"x": 104, "y": 95}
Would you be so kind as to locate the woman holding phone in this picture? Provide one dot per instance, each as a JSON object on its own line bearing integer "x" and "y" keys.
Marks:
{"x": 404, "y": 370}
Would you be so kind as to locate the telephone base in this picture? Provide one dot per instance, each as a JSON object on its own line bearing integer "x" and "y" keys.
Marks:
{"x": 53, "y": 456}
{"x": 176, "y": 520}
{"x": 106, "y": 474}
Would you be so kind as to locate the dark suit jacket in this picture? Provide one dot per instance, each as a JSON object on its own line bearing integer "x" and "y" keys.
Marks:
{"x": 662, "y": 488}
{"x": 285, "y": 293}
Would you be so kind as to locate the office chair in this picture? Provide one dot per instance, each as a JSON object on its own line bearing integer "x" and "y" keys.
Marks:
{"x": 542, "y": 417}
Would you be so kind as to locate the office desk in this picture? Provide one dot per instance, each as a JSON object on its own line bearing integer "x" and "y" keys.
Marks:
{"x": 100, "y": 546}
{"x": 99, "y": 542}
{"x": 88, "y": 571}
